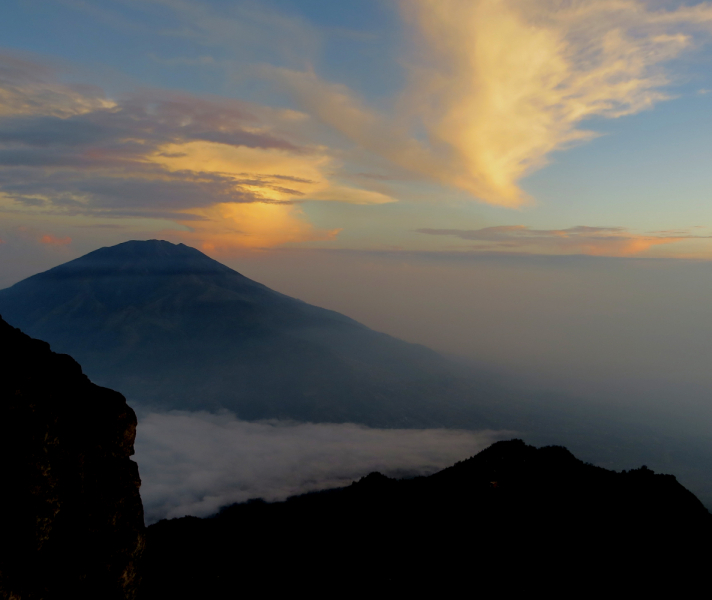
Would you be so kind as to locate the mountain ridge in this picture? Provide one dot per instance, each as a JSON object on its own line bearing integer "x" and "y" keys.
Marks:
{"x": 513, "y": 516}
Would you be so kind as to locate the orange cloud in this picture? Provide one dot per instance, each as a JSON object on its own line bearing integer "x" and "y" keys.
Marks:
{"x": 51, "y": 240}
{"x": 629, "y": 245}
{"x": 46, "y": 239}
{"x": 229, "y": 228}
{"x": 271, "y": 174}
{"x": 593, "y": 241}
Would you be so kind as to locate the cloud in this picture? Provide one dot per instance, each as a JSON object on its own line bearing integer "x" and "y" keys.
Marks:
{"x": 595, "y": 241}
{"x": 52, "y": 240}
{"x": 269, "y": 174}
{"x": 68, "y": 150}
{"x": 195, "y": 463}
{"x": 39, "y": 237}
{"x": 496, "y": 87}
{"x": 335, "y": 105}
{"x": 229, "y": 228}
{"x": 31, "y": 88}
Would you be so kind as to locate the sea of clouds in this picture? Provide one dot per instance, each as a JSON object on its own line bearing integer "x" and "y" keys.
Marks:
{"x": 194, "y": 463}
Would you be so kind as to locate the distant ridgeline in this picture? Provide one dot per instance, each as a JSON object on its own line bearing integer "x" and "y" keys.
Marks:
{"x": 71, "y": 519}
{"x": 512, "y": 518}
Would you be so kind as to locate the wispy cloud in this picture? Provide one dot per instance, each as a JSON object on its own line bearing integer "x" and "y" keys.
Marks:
{"x": 596, "y": 241}
{"x": 30, "y": 88}
{"x": 194, "y": 463}
{"x": 498, "y": 86}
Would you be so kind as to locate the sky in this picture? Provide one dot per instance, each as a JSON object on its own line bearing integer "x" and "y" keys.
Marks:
{"x": 537, "y": 127}
{"x": 335, "y": 139}
{"x": 522, "y": 183}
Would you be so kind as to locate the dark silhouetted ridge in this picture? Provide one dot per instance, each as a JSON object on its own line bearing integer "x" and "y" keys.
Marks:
{"x": 512, "y": 519}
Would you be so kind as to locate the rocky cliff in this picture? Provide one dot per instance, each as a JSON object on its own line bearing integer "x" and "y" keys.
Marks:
{"x": 71, "y": 519}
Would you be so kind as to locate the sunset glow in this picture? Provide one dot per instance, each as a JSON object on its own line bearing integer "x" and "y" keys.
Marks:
{"x": 467, "y": 114}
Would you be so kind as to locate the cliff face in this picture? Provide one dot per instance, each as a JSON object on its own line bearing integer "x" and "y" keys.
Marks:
{"x": 71, "y": 519}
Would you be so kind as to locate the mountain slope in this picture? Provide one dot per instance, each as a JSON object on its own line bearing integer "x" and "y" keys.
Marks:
{"x": 170, "y": 327}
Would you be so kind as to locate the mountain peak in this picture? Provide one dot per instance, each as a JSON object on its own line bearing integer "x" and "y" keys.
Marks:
{"x": 149, "y": 245}
{"x": 145, "y": 257}
{"x": 149, "y": 249}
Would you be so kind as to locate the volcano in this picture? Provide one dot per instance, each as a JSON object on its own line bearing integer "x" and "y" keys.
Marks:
{"x": 174, "y": 329}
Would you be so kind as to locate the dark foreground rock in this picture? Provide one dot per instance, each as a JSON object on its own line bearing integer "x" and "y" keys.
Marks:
{"x": 71, "y": 519}
{"x": 514, "y": 518}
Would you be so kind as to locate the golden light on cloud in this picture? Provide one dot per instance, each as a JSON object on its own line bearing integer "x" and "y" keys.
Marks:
{"x": 627, "y": 245}
{"x": 277, "y": 177}
{"x": 274, "y": 175}
{"x": 229, "y": 171}
{"x": 233, "y": 227}
{"x": 592, "y": 241}
{"x": 504, "y": 83}
{"x": 498, "y": 85}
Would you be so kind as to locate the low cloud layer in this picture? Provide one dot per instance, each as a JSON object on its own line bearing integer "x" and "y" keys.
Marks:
{"x": 195, "y": 463}
{"x": 594, "y": 241}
